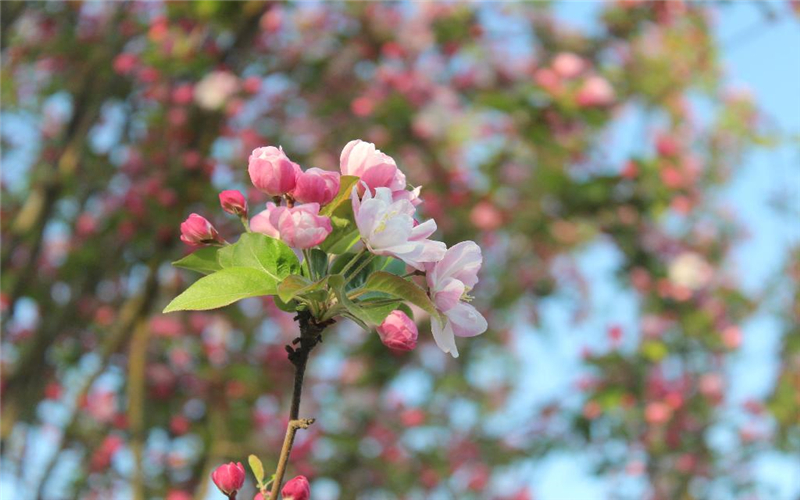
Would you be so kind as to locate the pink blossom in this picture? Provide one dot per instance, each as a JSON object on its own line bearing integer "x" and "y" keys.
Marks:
{"x": 387, "y": 227}
{"x": 251, "y": 84}
{"x": 296, "y": 489}
{"x": 183, "y": 94}
{"x": 272, "y": 172}
{"x": 197, "y": 231}
{"x": 568, "y": 65}
{"x": 178, "y": 495}
{"x": 260, "y": 222}
{"x": 301, "y": 226}
{"x": 316, "y": 186}
{"x": 548, "y": 80}
{"x": 592, "y": 410}
{"x": 732, "y": 337}
{"x": 125, "y": 63}
{"x": 398, "y": 331}
{"x": 595, "y": 92}
{"x": 374, "y": 168}
{"x": 362, "y": 106}
{"x": 233, "y": 202}
{"x": 486, "y": 216}
{"x": 449, "y": 280}
{"x": 214, "y": 90}
{"x": 229, "y": 477}
{"x": 657, "y": 413}
{"x": 712, "y": 385}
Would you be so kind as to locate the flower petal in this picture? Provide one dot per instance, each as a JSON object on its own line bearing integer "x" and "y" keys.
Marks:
{"x": 443, "y": 335}
{"x": 466, "y": 320}
{"x": 448, "y": 295}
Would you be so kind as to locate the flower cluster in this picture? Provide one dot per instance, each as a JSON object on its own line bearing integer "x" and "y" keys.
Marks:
{"x": 382, "y": 211}
{"x": 229, "y": 479}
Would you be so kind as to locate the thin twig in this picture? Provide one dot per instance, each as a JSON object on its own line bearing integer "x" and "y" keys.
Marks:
{"x": 288, "y": 441}
{"x": 310, "y": 336}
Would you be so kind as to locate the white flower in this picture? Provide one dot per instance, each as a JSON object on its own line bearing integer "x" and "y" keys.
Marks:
{"x": 449, "y": 281}
{"x": 691, "y": 271}
{"x": 387, "y": 227}
{"x": 214, "y": 90}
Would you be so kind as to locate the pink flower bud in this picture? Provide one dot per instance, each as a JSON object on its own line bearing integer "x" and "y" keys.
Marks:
{"x": 296, "y": 489}
{"x": 657, "y": 413}
{"x": 548, "y": 80}
{"x": 197, "y": 231}
{"x": 316, "y": 186}
{"x": 398, "y": 332}
{"x": 272, "y": 172}
{"x": 178, "y": 495}
{"x": 568, "y": 65}
{"x": 229, "y": 477}
{"x": 595, "y": 91}
{"x": 233, "y": 202}
{"x": 125, "y": 63}
{"x": 486, "y": 216}
{"x": 301, "y": 226}
{"x": 732, "y": 337}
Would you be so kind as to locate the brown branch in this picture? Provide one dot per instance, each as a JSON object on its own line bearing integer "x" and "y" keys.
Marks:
{"x": 283, "y": 461}
{"x": 310, "y": 336}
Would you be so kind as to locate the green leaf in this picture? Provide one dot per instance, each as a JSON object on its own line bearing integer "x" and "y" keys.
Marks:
{"x": 344, "y": 234}
{"x": 376, "y": 310}
{"x": 319, "y": 262}
{"x": 259, "y": 251}
{"x": 289, "y": 307}
{"x": 404, "y": 307}
{"x": 396, "y": 286}
{"x": 392, "y": 265}
{"x": 367, "y": 313}
{"x": 289, "y": 287}
{"x": 340, "y": 211}
{"x": 346, "y": 183}
{"x": 257, "y": 467}
{"x": 354, "y": 312}
{"x": 222, "y": 288}
{"x": 203, "y": 260}
{"x": 654, "y": 350}
{"x": 341, "y": 261}
{"x": 297, "y": 286}
{"x": 357, "y": 280}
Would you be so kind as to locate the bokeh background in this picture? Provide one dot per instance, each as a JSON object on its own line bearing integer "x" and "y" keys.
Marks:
{"x": 630, "y": 169}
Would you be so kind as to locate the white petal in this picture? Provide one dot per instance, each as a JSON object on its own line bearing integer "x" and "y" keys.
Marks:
{"x": 443, "y": 335}
{"x": 466, "y": 320}
{"x": 462, "y": 262}
{"x": 424, "y": 230}
{"x": 448, "y": 295}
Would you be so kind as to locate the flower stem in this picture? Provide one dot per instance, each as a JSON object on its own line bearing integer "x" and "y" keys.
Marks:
{"x": 352, "y": 261}
{"x": 307, "y": 262}
{"x": 359, "y": 269}
{"x": 310, "y": 336}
